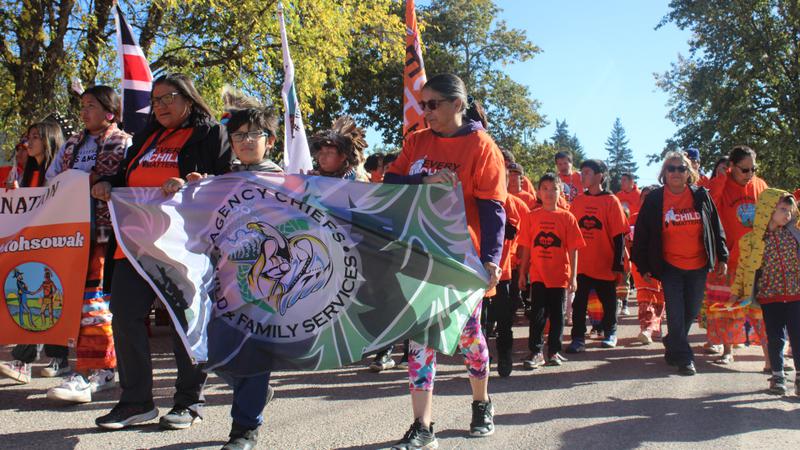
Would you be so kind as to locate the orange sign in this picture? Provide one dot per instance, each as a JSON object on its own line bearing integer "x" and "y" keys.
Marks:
{"x": 413, "y": 75}
{"x": 44, "y": 253}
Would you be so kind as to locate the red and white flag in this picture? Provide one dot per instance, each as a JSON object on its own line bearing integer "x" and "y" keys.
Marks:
{"x": 137, "y": 80}
{"x": 413, "y": 74}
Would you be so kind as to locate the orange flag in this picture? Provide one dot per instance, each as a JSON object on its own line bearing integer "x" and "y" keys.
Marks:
{"x": 413, "y": 75}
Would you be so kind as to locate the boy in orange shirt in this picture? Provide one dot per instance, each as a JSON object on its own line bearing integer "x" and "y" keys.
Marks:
{"x": 549, "y": 241}
{"x": 603, "y": 225}
{"x": 571, "y": 179}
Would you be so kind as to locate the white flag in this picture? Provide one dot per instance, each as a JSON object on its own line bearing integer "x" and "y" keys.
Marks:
{"x": 296, "y": 156}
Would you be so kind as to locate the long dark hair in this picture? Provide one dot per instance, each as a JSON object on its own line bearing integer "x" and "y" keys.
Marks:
{"x": 52, "y": 138}
{"x": 108, "y": 99}
{"x": 200, "y": 112}
{"x": 452, "y": 87}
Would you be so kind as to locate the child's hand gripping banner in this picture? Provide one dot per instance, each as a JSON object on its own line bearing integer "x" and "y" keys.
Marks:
{"x": 276, "y": 271}
{"x": 44, "y": 253}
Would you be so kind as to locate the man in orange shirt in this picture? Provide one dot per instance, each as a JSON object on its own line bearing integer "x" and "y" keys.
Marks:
{"x": 694, "y": 157}
{"x": 603, "y": 225}
{"x": 629, "y": 195}
{"x": 571, "y": 179}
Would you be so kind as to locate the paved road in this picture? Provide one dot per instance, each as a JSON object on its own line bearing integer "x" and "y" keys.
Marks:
{"x": 621, "y": 398}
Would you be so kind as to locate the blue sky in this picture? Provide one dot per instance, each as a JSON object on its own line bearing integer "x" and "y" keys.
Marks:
{"x": 597, "y": 63}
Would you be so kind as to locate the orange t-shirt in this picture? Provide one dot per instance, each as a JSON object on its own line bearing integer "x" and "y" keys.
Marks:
{"x": 474, "y": 157}
{"x": 158, "y": 159}
{"x": 515, "y": 211}
{"x": 158, "y": 162}
{"x": 736, "y": 205}
{"x": 797, "y": 194}
{"x": 4, "y": 172}
{"x": 600, "y": 218}
{"x": 550, "y": 236}
{"x": 630, "y": 200}
{"x": 703, "y": 181}
{"x": 572, "y": 185}
{"x": 682, "y": 231}
{"x": 528, "y": 198}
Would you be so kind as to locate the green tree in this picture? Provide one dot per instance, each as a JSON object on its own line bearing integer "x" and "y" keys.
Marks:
{"x": 44, "y": 44}
{"x": 462, "y": 37}
{"x": 620, "y": 156}
{"x": 562, "y": 140}
{"x": 740, "y": 83}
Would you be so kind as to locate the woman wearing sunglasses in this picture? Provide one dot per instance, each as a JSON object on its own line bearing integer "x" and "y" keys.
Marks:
{"x": 181, "y": 140}
{"x": 678, "y": 240}
{"x": 456, "y": 148}
{"x": 735, "y": 194}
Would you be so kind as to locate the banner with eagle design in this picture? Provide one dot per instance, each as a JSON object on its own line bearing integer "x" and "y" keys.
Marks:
{"x": 277, "y": 272}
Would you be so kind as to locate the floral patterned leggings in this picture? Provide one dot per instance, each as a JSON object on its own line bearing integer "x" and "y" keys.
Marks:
{"x": 422, "y": 359}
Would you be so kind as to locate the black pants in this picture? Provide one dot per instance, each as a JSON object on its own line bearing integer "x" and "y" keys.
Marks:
{"x": 28, "y": 353}
{"x": 513, "y": 290}
{"x": 131, "y": 300}
{"x": 504, "y": 309}
{"x": 780, "y": 318}
{"x": 548, "y": 303}
{"x": 607, "y": 293}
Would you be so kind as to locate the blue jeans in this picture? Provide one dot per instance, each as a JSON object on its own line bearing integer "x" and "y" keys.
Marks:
{"x": 249, "y": 399}
{"x": 683, "y": 295}
{"x": 780, "y": 318}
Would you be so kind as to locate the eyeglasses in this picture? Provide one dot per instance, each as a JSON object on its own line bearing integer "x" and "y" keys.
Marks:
{"x": 249, "y": 135}
{"x": 432, "y": 104}
{"x": 746, "y": 170}
{"x": 673, "y": 169}
{"x": 164, "y": 100}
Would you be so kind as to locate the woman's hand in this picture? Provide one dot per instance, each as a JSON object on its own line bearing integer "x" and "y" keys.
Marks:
{"x": 573, "y": 285}
{"x": 102, "y": 191}
{"x": 12, "y": 184}
{"x": 494, "y": 274}
{"x": 444, "y": 176}
{"x": 172, "y": 185}
{"x": 195, "y": 176}
{"x": 722, "y": 269}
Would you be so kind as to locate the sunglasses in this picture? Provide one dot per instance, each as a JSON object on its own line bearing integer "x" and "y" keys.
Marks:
{"x": 746, "y": 170}
{"x": 673, "y": 169}
{"x": 432, "y": 104}
{"x": 165, "y": 100}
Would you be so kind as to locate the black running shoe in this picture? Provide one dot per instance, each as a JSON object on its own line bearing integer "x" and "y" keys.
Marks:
{"x": 505, "y": 364}
{"x": 482, "y": 419}
{"x": 124, "y": 415}
{"x": 241, "y": 438}
{"x": 179, "y": 418}
{"x": 417, "y": 438}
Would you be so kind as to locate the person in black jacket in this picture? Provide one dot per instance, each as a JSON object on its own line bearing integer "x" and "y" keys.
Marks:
{"x": 678, "y": 240}
{"x": 180, "y": 141}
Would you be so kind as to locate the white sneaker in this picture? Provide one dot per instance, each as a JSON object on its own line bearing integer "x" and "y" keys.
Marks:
{"x": 56, "y": 368}
{"x": 16, "y": 370}
{"x": 626, "y": 311}
{"x": 74, "y": 389}
{"x": 101, "y": 380}
{"x": 645, "y": 337}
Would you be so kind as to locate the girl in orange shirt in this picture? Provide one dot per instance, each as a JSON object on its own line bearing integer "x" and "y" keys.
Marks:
{"x": 456, "y": 148}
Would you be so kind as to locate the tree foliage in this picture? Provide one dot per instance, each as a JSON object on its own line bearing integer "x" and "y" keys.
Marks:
{"x": 620, "y": 157}
{"x": 740, "y": 83}
{"x": 562, "y": 140}
{"x": 44, "y": 44}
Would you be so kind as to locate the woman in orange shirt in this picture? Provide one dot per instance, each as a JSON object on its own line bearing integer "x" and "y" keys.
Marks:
{"x": 678, "y": 240}
{"x": 181, "y": 141}
{"x": 456, "y": 148}
{"x": 735, "y": 195}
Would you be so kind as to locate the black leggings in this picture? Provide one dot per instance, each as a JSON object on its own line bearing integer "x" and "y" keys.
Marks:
{"x": 548, "y": 303}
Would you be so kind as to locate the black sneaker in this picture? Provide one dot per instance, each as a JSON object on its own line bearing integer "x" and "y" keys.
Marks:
{"x": 382, "y": 362}
{"x": 777, "y": 385}
{"x": 504, "y": 364}
{"x": 687, "y": 370}
{"x": 241, "y": 438}
{"x": 124, "y": 415}
{"x": 180, "y": 418}
{"x": 482, "y": 419}
{"x": 418, "y": 437}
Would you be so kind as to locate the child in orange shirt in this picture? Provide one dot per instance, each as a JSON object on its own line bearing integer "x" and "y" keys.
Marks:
{"x": 600, "y": 263}
{"x": 549, "y": 241}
